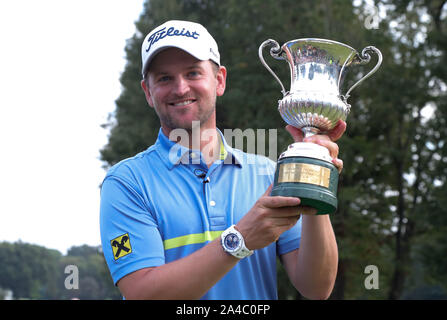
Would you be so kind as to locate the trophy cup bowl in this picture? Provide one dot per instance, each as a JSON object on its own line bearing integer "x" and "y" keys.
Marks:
{"x": 314, "y": 105}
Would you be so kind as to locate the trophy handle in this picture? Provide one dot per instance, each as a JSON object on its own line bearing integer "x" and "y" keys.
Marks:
{"x": 275, "y": 52}
{"x": 365, "y": 58}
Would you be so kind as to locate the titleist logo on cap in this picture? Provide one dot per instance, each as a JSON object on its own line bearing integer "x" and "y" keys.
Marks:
{"x": 171, "y": 32}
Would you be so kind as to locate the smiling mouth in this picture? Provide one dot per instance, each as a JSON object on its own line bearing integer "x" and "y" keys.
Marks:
{"x": 182, "y": 103}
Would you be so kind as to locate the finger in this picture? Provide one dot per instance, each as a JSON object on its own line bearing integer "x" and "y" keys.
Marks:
{"x": 286, "y": 212}
{"x": 287, "y": 225}
{"x": 337, "y": 132}
{"x": 287, "y": 222}
{"x": 338, "y": 163}
{"x": 296, "y": 133}
{"x": 280, "y": 202}
{"x": 325, "y": 142}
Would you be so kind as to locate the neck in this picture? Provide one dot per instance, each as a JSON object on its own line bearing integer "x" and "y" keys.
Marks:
{"x": 207, "y": 140}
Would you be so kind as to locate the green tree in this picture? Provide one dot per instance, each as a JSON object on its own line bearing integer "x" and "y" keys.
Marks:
{"x": 35, "y": 272}
{"x": 397, "y": 141}
{"x": 28, "y": 270}
{"x": 428, "y": 20}
{"x": 95, "y": 281}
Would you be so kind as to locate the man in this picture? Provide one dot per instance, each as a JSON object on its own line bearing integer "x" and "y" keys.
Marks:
{"x": 193, "y": 218}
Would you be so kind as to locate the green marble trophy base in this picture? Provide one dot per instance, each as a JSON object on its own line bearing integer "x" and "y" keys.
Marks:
{"x": 305, "y": 171}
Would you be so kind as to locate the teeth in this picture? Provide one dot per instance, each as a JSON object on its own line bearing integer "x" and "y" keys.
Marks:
{"x": 184, "y": 103}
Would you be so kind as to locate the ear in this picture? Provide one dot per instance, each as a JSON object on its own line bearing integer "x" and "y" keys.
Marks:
{"x": 147, "y": 93}
{"x": 221, "y": 81}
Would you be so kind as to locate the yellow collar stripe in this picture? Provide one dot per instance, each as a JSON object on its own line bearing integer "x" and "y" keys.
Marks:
{"x": 223, "y": 152}
{"x": 191, "y": 239}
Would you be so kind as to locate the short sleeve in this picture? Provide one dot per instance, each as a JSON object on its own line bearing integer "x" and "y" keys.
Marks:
{"x": 129, "y": 234}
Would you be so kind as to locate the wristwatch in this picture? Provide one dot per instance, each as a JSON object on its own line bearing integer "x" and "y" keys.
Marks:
{"x": 233, "y": 243}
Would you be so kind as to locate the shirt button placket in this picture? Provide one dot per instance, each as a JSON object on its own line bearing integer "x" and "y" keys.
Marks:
{"x": 215, "y": 213}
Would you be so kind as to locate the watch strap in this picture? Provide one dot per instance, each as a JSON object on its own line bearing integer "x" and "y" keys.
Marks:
{"x": 242, "y": 251}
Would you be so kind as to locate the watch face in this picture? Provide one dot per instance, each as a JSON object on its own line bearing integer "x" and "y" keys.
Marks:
{"x": 231, "y": 241}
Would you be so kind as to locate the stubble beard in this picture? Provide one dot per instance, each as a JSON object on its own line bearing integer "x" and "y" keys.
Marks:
{"x": 173, "y": 123}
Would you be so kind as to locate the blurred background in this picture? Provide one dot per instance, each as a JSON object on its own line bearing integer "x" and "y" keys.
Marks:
{"x": 71, "y": 106}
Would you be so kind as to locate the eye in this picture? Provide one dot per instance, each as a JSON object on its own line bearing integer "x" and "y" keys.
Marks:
{"x": 163, "y": 78}
{"x": 193, "y": 74}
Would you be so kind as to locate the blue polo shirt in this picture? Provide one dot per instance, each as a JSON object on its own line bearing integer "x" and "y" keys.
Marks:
{"x": 165, "y": 203}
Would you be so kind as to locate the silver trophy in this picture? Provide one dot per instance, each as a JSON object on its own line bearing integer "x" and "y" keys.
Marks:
{"x": 314, "y": 104}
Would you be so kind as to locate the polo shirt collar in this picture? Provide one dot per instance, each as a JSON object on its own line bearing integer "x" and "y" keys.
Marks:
{"x": 235, "y": 156}
{"x": 172, "y": 153}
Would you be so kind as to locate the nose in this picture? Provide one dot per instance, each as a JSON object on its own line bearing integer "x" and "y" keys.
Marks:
{"x": 181, "y": 86}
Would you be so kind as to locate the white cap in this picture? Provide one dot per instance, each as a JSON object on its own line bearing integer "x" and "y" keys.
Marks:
{"x": 189, "y": 36}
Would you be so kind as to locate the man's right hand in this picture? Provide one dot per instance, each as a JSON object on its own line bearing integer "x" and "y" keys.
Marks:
{"x": 269, "y": 218}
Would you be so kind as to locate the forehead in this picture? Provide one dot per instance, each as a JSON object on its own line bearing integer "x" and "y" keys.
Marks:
{"x": 172, "y": 59}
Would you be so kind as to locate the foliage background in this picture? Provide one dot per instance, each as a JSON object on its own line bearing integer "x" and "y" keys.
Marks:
{"x": 392, "y": 193}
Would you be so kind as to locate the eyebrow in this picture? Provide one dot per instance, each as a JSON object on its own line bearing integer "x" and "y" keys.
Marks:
{"x": 195, "y": 65}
